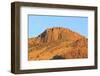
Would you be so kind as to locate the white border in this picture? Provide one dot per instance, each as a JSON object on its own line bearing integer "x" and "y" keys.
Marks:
{"x": 25, "y": 64}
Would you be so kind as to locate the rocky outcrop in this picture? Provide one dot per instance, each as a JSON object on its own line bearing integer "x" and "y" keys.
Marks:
{"x": 57, "y": 33}
{"x": 57, "y": 41}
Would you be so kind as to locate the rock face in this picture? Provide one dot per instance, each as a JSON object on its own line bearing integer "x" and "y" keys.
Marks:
{"x": 57, "y": 43}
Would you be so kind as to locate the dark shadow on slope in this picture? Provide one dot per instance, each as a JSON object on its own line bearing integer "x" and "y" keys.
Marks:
{"x": 57, "y": 57}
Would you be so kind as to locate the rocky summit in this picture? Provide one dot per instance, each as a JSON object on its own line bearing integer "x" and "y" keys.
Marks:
{"x": 57, "y": 43}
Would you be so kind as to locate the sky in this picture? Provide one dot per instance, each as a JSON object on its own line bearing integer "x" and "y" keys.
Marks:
{"x": 38, "y": 23}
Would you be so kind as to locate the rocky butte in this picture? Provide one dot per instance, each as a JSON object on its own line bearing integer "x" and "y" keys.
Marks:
{"x": 57, "y": 43}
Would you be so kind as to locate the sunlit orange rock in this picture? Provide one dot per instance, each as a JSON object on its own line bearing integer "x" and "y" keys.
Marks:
{"x": 57, "y": 43}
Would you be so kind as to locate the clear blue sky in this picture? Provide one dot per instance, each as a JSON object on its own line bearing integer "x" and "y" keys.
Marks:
{"x": 38, "y": 23}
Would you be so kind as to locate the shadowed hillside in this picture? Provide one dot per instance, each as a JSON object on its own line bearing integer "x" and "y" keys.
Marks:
{"x": 57, "y": 43}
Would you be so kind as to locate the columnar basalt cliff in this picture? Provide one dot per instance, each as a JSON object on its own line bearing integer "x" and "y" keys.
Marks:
{"x": 57, "y": 43}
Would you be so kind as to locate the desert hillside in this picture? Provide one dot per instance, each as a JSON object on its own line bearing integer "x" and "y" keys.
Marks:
{"x": 57, "y": 43}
